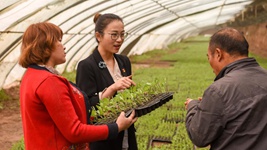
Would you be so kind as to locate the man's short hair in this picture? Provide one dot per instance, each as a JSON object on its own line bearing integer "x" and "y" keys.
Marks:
{"x": 230, "y": 40}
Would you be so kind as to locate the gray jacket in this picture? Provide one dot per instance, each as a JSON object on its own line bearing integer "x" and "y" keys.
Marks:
{"x": 233, "y": 112}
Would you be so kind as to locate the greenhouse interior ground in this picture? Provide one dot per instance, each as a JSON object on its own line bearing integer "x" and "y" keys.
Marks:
{"x": 161, "y": 31}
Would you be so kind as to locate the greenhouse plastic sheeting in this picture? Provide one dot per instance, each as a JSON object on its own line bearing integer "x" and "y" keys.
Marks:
{"x": 152, "y": 24}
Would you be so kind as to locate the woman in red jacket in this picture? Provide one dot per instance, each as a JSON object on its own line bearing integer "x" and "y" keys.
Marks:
{"x": 53, "y": 109}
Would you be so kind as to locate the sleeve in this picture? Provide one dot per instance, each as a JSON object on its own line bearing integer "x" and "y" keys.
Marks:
{"x": 204, "y": 121}
{"x": 86, "y": 81}
{"x": 54, "y": 93}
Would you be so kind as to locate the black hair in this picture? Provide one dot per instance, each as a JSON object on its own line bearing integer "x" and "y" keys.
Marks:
{"x": 102, "y": 21}
{"x": 230, "y": 40}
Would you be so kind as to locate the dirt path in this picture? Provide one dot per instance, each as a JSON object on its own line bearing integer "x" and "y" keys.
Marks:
{"x": 10, "y": 120}
{"x": 10, "y": 125}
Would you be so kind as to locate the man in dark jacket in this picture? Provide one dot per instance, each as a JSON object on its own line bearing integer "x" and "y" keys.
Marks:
{"x": 232, "y": 114}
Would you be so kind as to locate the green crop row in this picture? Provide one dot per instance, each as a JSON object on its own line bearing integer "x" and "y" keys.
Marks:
{"x": 187, "y": 73}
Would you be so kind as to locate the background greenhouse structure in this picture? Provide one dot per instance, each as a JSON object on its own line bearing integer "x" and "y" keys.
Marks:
{"x": 167, "y": 42}
{"x": 151, "y": 24}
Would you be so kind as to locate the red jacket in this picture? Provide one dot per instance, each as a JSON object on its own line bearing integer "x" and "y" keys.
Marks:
{"x": 53, "y": 113}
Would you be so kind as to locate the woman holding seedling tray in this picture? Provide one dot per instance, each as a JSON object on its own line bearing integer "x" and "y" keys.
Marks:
{"x": 104, "y": 73}
{"x": 141, "y": 98}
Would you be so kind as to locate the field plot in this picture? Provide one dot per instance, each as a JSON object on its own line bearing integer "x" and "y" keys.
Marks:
{"x": 187, "y": 72}
{"x": 184, "y": 70}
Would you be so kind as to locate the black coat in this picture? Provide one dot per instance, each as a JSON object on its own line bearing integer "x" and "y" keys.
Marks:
{"x": 93, "y": 77}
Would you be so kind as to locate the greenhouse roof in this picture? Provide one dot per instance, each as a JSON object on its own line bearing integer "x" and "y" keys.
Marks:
{"x": 152, "y": 24}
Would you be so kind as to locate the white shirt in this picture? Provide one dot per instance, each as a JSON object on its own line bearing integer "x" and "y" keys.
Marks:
{"x": 116, "y": 75}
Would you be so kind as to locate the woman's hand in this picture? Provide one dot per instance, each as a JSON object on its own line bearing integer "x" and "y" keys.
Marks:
{"x": 123, "y": 83}
{"x": 124, "y": 123}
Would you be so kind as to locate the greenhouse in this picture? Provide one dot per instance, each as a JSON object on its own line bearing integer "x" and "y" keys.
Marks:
{"x": 151, "y": 24}
{"x": 167, "y": 45}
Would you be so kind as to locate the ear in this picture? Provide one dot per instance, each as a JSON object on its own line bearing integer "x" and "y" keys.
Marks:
{"x": 98, "y": 36}
{"x": 218, "y": 54}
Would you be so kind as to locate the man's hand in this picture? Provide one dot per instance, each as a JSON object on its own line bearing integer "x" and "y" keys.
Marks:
{"x": 188, "y": 100}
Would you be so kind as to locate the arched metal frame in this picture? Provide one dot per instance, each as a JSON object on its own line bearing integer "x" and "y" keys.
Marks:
{"x": 152, "y": 24}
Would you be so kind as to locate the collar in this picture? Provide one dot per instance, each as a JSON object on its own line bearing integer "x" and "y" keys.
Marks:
{"x": 43, "y": 67}
{"x": 99, "y": 60}
{"x": 35, "y": 66}
{"x": 236, "y": 65}
{"x": 101, "y": 64}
